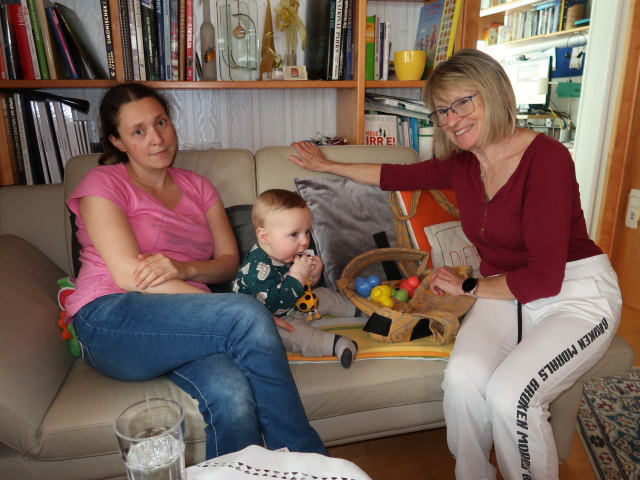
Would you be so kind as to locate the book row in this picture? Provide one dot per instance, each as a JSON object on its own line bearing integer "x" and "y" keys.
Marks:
{"x": 44, "y": 40}
{"x": 377, "y": 48}
{"x": 41, "y": 136}
{"x": 329, "y": 51}
{"x": 398, "y": 130}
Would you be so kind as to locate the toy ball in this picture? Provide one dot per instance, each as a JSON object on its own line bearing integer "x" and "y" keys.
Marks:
{"x": 362, "y": 286}
{"x": 413, "y": 281}
{"x": 401, "y": 295}
{"x": 404, "y": 285}
{"x": 373, "y": 280}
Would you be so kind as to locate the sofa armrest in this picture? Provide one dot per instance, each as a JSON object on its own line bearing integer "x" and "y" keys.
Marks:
{"x": 36, "y": 213}
{"x": 34, "y": 361}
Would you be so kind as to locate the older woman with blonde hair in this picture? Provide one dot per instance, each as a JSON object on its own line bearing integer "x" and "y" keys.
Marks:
{"x": 548, "y": 301}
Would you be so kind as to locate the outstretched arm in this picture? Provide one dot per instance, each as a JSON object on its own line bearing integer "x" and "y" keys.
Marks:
{"x": 311, "y": 158}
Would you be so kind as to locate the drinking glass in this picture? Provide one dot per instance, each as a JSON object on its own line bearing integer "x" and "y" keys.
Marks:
{"x": 151, "y": 439}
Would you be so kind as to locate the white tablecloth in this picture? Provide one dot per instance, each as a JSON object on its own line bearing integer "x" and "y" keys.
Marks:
{"x": 255, "y": 462}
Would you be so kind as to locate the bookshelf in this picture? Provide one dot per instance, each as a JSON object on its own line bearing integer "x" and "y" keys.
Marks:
{"x": 349, "y": 95}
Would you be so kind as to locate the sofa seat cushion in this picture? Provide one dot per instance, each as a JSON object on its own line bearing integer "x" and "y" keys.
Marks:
{"x": 79, "y": 422}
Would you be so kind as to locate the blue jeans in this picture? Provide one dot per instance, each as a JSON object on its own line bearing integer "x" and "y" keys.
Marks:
{"x": 222, "y": 349}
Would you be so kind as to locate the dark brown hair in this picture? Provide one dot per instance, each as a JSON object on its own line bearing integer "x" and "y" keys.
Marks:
{"x": 110, "y": 107}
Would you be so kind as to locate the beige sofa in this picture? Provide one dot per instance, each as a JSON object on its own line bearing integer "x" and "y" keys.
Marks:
{"x": 56, "y": 413}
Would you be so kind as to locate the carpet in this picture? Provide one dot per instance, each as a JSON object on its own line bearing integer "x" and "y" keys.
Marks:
{"x": 609, "y": 425}
{"x": 368, "y": 349}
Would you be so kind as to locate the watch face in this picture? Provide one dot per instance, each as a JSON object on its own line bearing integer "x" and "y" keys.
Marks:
{"x": 469, "y": 284}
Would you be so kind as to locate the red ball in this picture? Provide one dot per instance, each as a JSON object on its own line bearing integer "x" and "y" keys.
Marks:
{"x": 413, "y": 281}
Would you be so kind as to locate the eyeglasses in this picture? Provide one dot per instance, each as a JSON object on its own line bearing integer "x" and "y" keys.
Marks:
{"x": 462, "y": 107}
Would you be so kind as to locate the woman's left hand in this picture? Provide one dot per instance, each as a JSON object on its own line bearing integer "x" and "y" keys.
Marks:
{"x": 445, "y": 280}
{"x": 155, "y": 269}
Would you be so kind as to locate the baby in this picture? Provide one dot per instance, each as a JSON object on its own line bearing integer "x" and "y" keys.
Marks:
{"x": 277, "y": 269}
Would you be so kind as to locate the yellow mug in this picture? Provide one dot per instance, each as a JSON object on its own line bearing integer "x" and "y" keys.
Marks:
{"x": 409, "y": 64}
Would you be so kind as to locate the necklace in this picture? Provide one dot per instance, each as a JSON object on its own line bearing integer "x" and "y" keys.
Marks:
{"x": 495, "y": 176}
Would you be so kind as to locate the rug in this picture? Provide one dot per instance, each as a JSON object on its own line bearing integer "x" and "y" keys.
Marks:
{"x": 368, "y": 349}
{"x": 609, "y": 425}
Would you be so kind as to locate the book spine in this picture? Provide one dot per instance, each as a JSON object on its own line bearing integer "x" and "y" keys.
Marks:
{"x": 148, "y": 17}
{"x": 370, "y": 36}
{"x": 34, "y": 137}
{"x": 12, "y": 58}
{"x": 3, "y": 61}
{"x": 167, "y": 38}
{"x": 380, "y": 53}
{"x": 349, "y": 50}
{"x": 13, "y": 122}
{"x": 38, "y": 40}
{"x": 182, "y": 39}
{"x": 56, "y": 28}
{"x": 189, "y": 63}
{"x": 159, "y": 17}
{"x": 47, "y": 39}
{"x": 22, "y": 41}
{"x": 125, "y": 38}
{"x": 108, "y": 38}
{"x": 62, "y": 140}
{"x": 142, "y": 60}
{"x": 49, "y": 143}
{"x": 8, "y": 154}
{"x": 175, "y": 40}
{"x": 30, "y": 39}
{"x": 387, "y": 50}
{"x": 337, "y": 39}
{"x": 67, "y": 115}
{"x": 376, "y": 54}
{"x": 344, "y": 40}
{"x": 27, "y": 155}
{"x": 332, "y": 27}
{"x": 133, "y": 39}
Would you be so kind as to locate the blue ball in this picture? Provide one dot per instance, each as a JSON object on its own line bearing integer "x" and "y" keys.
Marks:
{"x": 373, "y": 280}
{"x": 363, "y": 289}
{"x": 360, "y": 281}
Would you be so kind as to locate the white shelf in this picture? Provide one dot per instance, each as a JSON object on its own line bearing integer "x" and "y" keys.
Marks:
{"x": 506, "y": 6}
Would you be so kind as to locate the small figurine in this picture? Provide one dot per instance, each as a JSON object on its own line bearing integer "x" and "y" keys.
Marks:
{"x": 308, "y": 303}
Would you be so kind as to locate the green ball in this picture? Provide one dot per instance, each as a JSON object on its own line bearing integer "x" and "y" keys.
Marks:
{"x": 401, "y": 295}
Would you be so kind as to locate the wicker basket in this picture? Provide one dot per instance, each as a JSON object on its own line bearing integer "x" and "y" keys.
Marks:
{"x": 424, "y": 314}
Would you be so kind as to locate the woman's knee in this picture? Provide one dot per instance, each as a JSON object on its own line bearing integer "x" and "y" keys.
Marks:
{"x": 464, "y": 376}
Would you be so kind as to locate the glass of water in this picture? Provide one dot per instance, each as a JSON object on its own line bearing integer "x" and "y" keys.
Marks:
{"x": 151, "y": 439}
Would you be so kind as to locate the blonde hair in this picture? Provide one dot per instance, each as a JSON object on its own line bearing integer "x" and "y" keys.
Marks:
{"x": 273, "y": 200}
{"x": 472, "y": 70}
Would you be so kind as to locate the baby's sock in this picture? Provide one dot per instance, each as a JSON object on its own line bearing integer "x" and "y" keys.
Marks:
{"x": 345, "y": 349}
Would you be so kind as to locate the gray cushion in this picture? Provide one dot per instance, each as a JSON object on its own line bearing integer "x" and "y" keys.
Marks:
{"x": 346, "y": 215}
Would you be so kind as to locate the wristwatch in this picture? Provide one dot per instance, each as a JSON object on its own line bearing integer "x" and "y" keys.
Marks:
{"x": 469, "y": 286}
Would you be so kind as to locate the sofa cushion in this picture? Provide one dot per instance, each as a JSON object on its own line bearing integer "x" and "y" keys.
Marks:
{"x": 30, "y": 345}
{"x": 346, "y": 214}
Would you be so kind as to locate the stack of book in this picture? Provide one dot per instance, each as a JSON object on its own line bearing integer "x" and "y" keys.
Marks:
{"x": 40, "y": 136}
{"x": 44, "y": 40}
{"x": 393, "y": 120}
{"x": 377, "y": 48}
{"x": 329, "y": 50}
{"x": 158, "y": 40}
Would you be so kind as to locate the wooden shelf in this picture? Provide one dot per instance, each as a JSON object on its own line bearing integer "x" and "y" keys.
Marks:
{"x": 394, "y": 83}
{"x": 260, "y": 85}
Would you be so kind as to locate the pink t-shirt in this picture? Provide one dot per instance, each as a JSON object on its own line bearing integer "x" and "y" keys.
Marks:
{"x": 529, "y": 230}
{"x": 181, "y": 233}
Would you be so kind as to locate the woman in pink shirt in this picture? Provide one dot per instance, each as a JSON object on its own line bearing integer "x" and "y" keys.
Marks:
{"x": 152, "y": 237}
{"x": 548, "y": 301}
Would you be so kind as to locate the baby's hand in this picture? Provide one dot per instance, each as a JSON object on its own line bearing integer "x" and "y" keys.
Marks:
{"x": 316, "y": 269}
{"x": 301, "y": 268}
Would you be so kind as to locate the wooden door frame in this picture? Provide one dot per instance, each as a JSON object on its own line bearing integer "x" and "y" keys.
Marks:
{"x": 622, "y": 150}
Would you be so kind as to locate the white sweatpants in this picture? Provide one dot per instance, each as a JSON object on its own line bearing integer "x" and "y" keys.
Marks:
{"x": 498, "y": 391}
